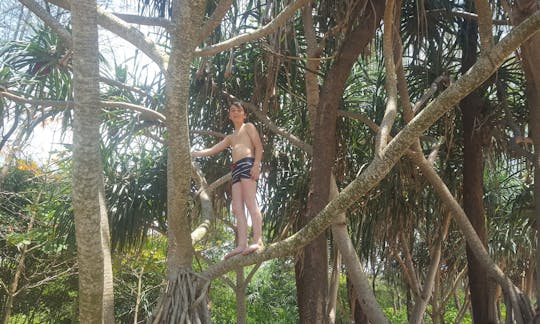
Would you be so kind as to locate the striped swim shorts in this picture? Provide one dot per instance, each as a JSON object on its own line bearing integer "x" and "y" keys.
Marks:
{"x": 241, "y": 169}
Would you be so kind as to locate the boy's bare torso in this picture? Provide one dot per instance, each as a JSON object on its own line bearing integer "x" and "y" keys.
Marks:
{"x": 241, "y": 144}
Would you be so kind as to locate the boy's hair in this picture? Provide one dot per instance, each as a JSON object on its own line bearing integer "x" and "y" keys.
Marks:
{"x": 239, "y": 105}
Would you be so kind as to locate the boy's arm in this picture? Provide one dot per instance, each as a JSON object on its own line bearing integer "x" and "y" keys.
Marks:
{"x": 213, "y": 150}
{"x": 257, "y": 144}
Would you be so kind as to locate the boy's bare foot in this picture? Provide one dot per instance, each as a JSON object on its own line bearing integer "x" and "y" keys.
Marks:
{"x": 236, "y": 251}
{"x": 252, "y": 248}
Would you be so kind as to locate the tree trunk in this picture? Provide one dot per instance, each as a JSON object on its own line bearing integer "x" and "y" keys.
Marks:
{"x": 312, "y": 267}
{"x": 483, "y": 303}
{"x": 184, "y": 299}
{"x": 91, "y": 223}
{"x": 333, "y": 288}
{"x": 240, "y": 293}
{"x": 531, "y": 66}
{"x": 14, "y": 285}
{"x": 358, "y": 315}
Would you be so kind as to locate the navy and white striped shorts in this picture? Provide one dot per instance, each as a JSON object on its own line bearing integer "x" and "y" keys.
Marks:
{"x": 241, "y": 169}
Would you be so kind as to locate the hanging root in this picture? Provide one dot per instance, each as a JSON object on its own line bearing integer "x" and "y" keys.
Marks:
{"x": 518, "y": 305}
{"x": 183, "y": 301}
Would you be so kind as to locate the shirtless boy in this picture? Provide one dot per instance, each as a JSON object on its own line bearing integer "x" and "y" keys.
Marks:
{"x": 247, "y": 152}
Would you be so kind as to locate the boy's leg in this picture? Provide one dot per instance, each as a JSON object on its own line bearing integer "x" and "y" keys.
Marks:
{"x": 241, "y": 221}
{"x": 249, "y": 189}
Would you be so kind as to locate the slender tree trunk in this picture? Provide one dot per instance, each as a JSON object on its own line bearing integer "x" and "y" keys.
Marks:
{"x": 139, "y": 295}
{"x": 91, "y": 223}
{"x": 483, "y": 303}
{"x": 240, "y": 293}
{"x": 14, "y": 285}
{"x": 365, "y": 298}
{"x": 333, "y": 288}
{"x": 358, "y": 315}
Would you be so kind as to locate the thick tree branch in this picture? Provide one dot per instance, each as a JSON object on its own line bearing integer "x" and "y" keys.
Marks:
{"x": 267, "y": 29}
{"x": 215, "y": 19}
{"x": 140, "y": 20}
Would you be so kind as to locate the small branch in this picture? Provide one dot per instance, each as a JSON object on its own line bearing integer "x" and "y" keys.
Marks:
{"x": 37, "y": 102}
{"x": 408, "y": 276}
{"x": 146, "y": 114}
{"x": 214, "y": 185}
{"x": 442, "y": 79}
{"x": 361, "y": 117}
{"x": 391, "y": 78}
{"x": 207, "y": 210}
{"x": 415, "y": 283}
{"x": 470, "y": 15}
{"x": 211, "y": 133}
{"x": 123, "y": 86}
{"x": 252, "y": 272}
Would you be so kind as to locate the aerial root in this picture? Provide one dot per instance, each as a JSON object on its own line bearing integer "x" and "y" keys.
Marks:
{"x": 182, "y": 301}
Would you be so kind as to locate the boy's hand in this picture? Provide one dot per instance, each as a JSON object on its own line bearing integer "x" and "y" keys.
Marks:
{"x": 255, "y": 173}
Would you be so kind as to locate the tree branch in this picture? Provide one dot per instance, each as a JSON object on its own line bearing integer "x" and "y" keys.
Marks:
{"x": 207, "y": 211}
{"x": 485, "y": 24}
{"x": 49, "y": 20}
{"x": 146, "y": 114}
{"x": 215, "y": 19}
{"x": 391, "y": 78}
{"x": 127, "y": 32}
{"x": 267, "y": 29}
{"x": 140, "y": 20}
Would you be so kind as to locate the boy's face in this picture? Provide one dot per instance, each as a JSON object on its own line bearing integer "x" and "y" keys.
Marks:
{"x": 237, "y": 113}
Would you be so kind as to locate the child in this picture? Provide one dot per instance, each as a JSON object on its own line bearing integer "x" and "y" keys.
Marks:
{"x": 246, "y": 167}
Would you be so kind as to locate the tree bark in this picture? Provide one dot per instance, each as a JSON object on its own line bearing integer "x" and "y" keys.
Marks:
{"x": 482, "y": 301}
{"x": 184, "y": 299}
{"x": 312, "y": 269}
{"x": 531, "y": 66}
{"x": 364, "y": 296}
{"x": 240, "y": 294}
{"x": 91, "y": 224}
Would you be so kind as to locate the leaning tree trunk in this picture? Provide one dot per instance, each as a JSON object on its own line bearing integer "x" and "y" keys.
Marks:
{"x": 482, "y": 301}
{"x": 91, "y": 223}
{"x": 184, "y": 298}
{"x": 530, "y": 51}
